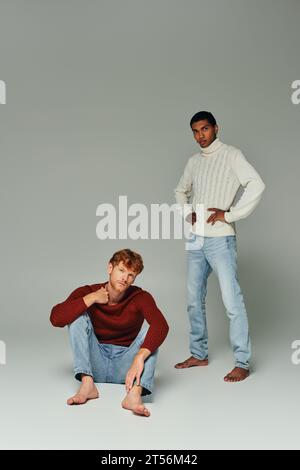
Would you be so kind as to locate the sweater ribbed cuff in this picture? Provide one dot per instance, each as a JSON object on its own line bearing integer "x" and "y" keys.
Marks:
{"x": 228, "y": 216}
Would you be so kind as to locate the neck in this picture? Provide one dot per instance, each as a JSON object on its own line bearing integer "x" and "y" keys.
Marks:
{"x": 114, "y": 296}
{"x": 212, "y": 148}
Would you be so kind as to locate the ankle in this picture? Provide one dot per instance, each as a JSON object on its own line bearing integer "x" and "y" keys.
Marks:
{"x": 137, "y": 389}
{"x": 87, "y": 379}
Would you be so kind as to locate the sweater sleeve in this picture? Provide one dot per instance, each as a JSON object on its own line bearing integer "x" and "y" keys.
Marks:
{"x": 158, "y": 326}
{"x": 70, "y": 309}
{"x": 184, "y": 188}
{"x": 253, "y": 189}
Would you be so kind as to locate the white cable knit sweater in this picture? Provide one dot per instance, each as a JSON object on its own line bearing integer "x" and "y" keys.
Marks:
{"x": 214, "y": 176}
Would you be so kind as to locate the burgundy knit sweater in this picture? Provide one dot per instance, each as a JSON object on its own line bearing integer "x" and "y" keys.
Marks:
{"x": 115, "y": 324}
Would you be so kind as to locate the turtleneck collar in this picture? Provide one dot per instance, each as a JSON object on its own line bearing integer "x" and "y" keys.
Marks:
{"x": 212, "y": 148}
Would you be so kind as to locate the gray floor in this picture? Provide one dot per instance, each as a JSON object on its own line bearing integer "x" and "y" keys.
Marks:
{"x": 191, "y": 409}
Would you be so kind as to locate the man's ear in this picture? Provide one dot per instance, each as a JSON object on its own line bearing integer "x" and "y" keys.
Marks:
{"x": 109, "y": 268}
{"x": 216, "y": 129}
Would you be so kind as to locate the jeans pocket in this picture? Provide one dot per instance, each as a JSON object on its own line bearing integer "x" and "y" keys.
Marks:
{"x": 195, "y": 242}
{"x": 192, "y": 238}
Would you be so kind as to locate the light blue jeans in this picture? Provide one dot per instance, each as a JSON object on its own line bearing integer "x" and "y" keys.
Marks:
{"x": 107, "y": 363}
{"x": 218, "y": 254}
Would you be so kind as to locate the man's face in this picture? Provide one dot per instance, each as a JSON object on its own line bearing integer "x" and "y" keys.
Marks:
{"x": 120, "y": 277}
{"x": 204, "y": 132}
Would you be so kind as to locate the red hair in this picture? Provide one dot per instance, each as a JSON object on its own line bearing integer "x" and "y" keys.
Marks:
{"x": 131, "y": 260}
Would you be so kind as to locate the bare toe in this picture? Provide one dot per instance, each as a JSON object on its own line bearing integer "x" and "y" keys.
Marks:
{"x": 237, "y": 375}
{"x": 141, "y": 410}
{"x": 77, "y": 400}
{"x": 136, "y": 408}
{"x": 191, "y": 362}
{"x": 81, "y": 398}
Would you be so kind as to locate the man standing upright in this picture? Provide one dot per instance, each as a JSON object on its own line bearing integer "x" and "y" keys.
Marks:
{"x": 215, "y": 175}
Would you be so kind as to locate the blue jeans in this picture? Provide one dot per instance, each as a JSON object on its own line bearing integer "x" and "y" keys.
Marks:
{"x": 218, "y": 254}
{"x": 107, "y": 363}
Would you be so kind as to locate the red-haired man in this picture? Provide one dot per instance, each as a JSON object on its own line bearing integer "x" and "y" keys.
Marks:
{"x": 110, "y": 342}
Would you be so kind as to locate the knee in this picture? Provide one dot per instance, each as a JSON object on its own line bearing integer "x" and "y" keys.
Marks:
{"x": 82, "y": 322}
{"x": 232, "y": 295}
{"x": 143, "y": 332}
{"x": 153, "y": 354}
{"x": 196, "y": 297}
{"x": 234, "y": 305}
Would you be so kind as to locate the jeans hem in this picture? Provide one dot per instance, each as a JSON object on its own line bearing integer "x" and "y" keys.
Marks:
{"x": 200, "y": 358}
{"x": 85, "y": 372}
{"x": 147, "y": 389}
{"x": 242, "y": 366}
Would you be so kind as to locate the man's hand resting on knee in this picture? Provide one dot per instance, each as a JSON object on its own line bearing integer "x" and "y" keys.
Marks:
{"x": 136, "y": 369}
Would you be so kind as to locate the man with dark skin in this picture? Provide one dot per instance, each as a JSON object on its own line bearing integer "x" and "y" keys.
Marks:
{"x": 204, "y": 134}
{"x": 215, "y": 175}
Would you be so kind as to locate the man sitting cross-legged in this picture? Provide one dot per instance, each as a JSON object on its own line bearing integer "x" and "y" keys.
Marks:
{"x": 108, "y": 339}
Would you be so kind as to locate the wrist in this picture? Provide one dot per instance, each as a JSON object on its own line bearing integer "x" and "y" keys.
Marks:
{"x": 227, "y": 217}
{"x": 89, "y": 299}
{"x": 143, "y": 353}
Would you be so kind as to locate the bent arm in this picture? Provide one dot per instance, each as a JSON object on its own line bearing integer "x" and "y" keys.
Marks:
{"x": 70, "y": 309}
{"x": 184, "y": 188}
{"x": 158, "y": 326}
{"x": 253, "y": 189}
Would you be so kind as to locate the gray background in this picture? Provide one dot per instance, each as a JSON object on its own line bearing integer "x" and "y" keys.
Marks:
{"x": 99, "y": 97}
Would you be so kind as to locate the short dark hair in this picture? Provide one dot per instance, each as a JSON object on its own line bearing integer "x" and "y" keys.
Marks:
{"x": 203, "y": 115}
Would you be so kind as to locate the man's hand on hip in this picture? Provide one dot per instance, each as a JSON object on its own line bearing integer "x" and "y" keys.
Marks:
{"x": 217, "y": 215}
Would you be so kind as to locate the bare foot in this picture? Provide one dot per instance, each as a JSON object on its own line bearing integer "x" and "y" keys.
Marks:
{"x": 237, "y": 375}
{"x": 87, "y": 391}
{"x": 191, "y": 362}
{"x": 133, "y": 401}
